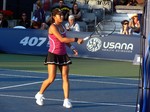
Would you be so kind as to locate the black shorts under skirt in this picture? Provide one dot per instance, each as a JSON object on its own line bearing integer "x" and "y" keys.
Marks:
{"x": 57, "y": 59}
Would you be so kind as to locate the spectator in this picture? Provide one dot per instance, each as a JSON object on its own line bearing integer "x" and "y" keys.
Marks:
{"x": 76, "y": 12}
{"x": 135, "y": 23}
{"x": 122, "y": 2}
{"x": 65, "y": 9}
{"x": 71, "y": 25}
{"x": 36, "y": 25}
{"x": 126, "y": 30}
{"x": 39, "y": 15}
{"x": 24, "y": 21}
{"x": 3, "y": 21}
{"x": 132, "y": 3}
{"x": 48, "y": 20}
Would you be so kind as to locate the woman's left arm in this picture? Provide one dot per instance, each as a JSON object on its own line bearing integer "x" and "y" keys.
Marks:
{"x": 72, "y": 48}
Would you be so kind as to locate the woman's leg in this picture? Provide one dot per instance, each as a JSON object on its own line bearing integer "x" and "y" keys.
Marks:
{"x": 51, "y": 77}
{"x": 65, "y": 71}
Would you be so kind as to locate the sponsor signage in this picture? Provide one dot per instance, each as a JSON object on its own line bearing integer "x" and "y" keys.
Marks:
{"x": 35, "y": 42}
{"x": 116, "y": 46}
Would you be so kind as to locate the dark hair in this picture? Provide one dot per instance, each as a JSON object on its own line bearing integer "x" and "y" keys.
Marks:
{"x": 38, "y": 3}
{"x": 2, "y": 13}
{"x": 35, "y": 24}
{"x": 124, "y": 21}
{"x": 75, "y": 4}
{"x": 54, "y": 13}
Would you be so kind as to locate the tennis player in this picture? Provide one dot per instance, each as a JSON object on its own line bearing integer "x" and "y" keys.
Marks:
{"x": 57, "y": 56}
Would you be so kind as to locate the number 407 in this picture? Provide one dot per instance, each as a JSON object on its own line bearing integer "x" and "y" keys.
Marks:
{"x": 33, "y": 41}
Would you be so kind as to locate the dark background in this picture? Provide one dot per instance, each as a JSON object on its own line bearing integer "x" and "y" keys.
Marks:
{"x": 19, "y": 6}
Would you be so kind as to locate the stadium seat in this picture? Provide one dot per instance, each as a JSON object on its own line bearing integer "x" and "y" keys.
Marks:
{"x": 85, "y": 7}
{"x": 90, "y": 20}
{"x": 99, "y": 13}
{"x": 83, "y": 26}
{"x": 80, "y": 2}
{"x": 88, "y": 17}
{"x": 92, "y": 2}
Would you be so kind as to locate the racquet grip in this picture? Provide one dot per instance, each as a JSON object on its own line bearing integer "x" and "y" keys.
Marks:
{"x": 86, "y": 38}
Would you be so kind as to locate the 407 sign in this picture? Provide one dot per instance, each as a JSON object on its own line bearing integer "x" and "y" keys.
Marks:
{"x": 33, "y": 41}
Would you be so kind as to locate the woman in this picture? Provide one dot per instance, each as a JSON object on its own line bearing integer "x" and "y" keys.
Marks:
{"x": 135, "y": 24}
{"x": 24, "y": 21}
{"x": 76, "y": 12}
{"x": 57, "y": 56}
{"x": 126, "y": 30}
{"x": 3, "y": 22}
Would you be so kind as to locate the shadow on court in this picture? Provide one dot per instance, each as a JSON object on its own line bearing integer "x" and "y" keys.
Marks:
{"x": 88, "y": 93}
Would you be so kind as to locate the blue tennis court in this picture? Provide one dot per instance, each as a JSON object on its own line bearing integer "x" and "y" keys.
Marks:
{"x": 88, "y": 93}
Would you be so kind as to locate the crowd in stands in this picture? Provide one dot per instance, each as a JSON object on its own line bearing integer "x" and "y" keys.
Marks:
{"x": 131, "y": 26}
{"x": 41, "y": 20}
{"x": 72, "y": 15}
{"x": 128, "y": 2}
{"x": 3, "y": 21}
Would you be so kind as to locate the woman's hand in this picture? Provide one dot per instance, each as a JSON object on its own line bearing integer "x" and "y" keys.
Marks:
{"x": 80, "y": 41}
{"x": 75, "y": 52}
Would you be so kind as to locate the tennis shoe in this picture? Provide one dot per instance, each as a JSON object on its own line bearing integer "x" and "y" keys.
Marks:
{"x": 39, "y": 99}
{"x": 67, "y": 103}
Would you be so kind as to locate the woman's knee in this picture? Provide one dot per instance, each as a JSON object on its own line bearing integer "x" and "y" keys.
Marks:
{"x": 50, "y": 80}
{"x": 65, "y": 77}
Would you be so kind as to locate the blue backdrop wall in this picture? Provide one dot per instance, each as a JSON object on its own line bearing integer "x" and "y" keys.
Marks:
{"x": 35, "y": 42}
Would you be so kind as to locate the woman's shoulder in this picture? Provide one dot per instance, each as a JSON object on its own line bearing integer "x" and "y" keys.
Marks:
{"x": 52, "y": 27}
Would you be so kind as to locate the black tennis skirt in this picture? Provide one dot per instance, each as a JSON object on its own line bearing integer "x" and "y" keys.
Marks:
{"x": 57, "y": 59}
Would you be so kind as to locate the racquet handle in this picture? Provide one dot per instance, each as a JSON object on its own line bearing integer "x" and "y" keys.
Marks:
{"x": 86, "y": 38}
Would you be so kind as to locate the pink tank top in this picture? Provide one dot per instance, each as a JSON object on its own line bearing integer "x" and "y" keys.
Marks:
{"x": 57, "y": 47}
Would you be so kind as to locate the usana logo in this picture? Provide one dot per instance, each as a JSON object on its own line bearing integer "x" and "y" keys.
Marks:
{"x": 95, "y": 44}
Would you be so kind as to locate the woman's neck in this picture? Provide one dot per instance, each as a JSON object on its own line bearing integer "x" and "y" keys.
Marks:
{"x": 57, "y": 23}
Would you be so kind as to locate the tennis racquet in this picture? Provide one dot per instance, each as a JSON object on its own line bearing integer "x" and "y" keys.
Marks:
{"x": 102, "y": 29}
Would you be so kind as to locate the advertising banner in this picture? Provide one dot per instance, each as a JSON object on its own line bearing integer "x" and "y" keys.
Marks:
{"x": 116, "y": 46}
{"x": 35, "y": 42}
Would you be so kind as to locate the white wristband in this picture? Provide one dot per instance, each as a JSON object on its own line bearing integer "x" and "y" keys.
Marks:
{"x": 72, "y": 47}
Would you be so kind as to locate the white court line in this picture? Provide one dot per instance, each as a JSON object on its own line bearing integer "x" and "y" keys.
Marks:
{"x": 74, "y": 74}
{"x": 24, "y": 76}
{"x": 21, "y": 85}
{"x": 83, "y": 102}
{"x": 104, "y": 82}
{"x": 101, "y": 82}
{"x": 75, "y": 80}
{"x": 27, "y": 84}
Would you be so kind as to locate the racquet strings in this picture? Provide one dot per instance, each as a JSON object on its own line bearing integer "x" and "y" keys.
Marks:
{"x": 105, "y": 28}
